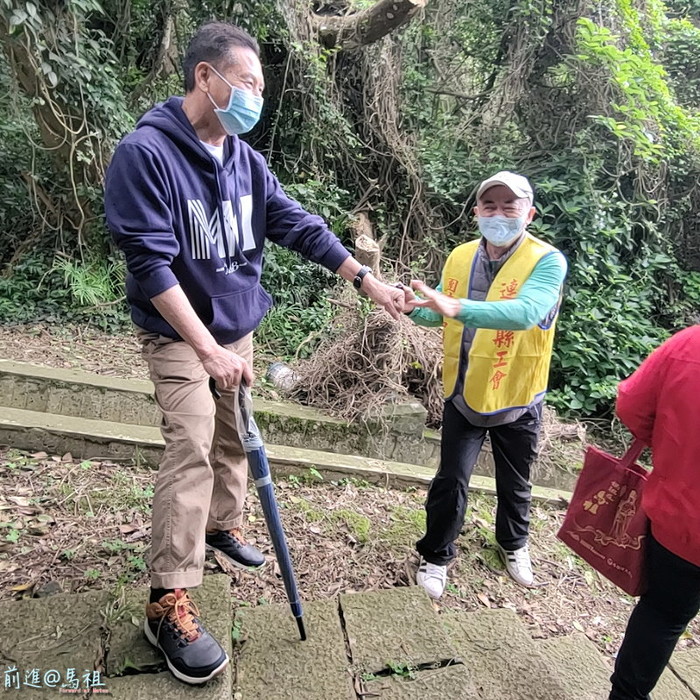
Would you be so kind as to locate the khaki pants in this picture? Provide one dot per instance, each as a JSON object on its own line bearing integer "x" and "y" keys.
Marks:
{"x": 202, "y": 477}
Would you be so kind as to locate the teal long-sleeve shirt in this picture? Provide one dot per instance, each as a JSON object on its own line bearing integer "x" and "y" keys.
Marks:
{"x": 539, "y": 293}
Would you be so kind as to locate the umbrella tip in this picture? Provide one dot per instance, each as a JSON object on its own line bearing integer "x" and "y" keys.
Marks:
{"x": 302, "y": 631}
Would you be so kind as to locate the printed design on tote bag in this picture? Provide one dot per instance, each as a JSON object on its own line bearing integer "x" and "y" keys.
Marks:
{"x": 626, "y": 509}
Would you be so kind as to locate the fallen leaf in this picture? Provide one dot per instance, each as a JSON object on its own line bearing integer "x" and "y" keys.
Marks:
{"x": 578, "y": 626}
{"x": 38, "y": 530}
{"x": 29, "y": 510}
{"x": 18, "y": 500}
{"x": 22, "y": 586}
{"x": 225, "y": 564}
{"x": 484, "y": 599}
{"x": 39, "y": 455}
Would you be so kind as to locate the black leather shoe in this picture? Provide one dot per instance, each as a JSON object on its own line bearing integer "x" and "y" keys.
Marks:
{"x": 232, "y": 545}
{"x": 173, "y": 626}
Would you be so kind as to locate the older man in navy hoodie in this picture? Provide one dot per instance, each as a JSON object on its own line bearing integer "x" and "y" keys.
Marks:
{"x": 191, "y": 205}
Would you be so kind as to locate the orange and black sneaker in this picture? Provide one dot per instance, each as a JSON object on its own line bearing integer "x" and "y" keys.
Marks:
{"x": 233, "y": 546}
{"x": 173, "y": 626}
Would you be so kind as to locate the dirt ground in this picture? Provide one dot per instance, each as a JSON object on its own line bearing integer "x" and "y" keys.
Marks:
{"x": 85, "y": 348}
{"x": 71, "y": 525}
{"x": 73, "y": 347}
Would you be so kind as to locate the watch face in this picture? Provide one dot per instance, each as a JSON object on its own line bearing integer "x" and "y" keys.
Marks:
{"x": 357, "y": 280}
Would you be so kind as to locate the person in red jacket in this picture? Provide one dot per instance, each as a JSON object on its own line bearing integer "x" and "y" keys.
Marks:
{"x": 660, "y": 404}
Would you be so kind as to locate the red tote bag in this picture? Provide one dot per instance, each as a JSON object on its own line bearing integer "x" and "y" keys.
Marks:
{"x": 604, "y": 523}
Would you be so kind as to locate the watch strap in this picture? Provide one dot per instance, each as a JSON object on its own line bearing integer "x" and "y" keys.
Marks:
{"x": 360, "y": 275}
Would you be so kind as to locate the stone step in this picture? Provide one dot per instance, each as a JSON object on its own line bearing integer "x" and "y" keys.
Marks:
{"x": 86, "y": 438}
{"x": 673, "y": 687}
{"x": 394, "y": 628}
{"x": 398, "y": 433}
{"x": 504, "y": 662}
{"x": 585, "y": 674}
{"x": 581, "y": 668}
{"x": 392, "y": 645}
{"x": 273, "y": 663}
{"x": 685, "y": 665}
{"x": 448, "y": 683}
{"x": 71, "y": 635}
{"x": 354, "y": 643}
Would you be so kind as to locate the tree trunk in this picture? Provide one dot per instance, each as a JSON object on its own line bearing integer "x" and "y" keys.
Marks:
{"x": 367, "y": 251}
{"x": 366, "y": 27}
{"x": 166, "y": 60}
{"x": 64, "y": 130}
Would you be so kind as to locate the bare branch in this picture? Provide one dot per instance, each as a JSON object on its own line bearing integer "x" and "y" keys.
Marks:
{"x": 366, "y": 27}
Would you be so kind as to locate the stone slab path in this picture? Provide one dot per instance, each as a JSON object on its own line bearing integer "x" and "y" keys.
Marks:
{"x": 384, "y": 645}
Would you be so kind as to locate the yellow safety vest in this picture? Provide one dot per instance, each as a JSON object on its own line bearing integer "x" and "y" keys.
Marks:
{"x": 505, "y": 369}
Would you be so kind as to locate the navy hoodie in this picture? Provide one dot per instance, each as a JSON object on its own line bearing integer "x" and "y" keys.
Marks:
{"x": 181, "y": 218}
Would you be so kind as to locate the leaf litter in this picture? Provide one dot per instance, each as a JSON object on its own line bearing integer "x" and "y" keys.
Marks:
{"x": 68, "y": 525}
{"x": 76, "y": 525}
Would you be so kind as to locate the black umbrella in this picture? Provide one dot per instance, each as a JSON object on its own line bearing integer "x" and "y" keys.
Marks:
{"x": 260, "y": 469}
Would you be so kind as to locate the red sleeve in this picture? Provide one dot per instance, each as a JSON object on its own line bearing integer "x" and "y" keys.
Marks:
{"x": 637, "y": 395}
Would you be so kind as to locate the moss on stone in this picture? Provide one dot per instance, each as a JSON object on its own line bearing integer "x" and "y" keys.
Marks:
{"x": 359, "y": 525}
{"x": 407, "y": 525}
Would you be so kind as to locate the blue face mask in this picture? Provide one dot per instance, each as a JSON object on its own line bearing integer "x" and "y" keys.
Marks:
{"x": 242, "y": 112}
{"x": 501, "y": 230}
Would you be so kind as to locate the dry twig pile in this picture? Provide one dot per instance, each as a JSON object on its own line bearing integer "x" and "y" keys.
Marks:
{"x": 369, "y": 360}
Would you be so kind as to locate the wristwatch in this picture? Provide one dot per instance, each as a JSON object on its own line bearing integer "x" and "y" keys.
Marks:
{"x": 357, "y": 280}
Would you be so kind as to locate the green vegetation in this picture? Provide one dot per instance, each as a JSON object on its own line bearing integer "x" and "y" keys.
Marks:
{"x": 596, "y": 101}
{"x": 406, "y": 526}
{"x": 359, "y": 525}
{"x": 402, "y": 669}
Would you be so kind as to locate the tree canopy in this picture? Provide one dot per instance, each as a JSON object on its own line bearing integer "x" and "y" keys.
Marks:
{"x": 395, "y": 110}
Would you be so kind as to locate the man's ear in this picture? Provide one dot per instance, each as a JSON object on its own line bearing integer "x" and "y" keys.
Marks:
{"x": 531, "y": 214}
{"x": 202, "y": 76}
{"x": 476, "y": 211}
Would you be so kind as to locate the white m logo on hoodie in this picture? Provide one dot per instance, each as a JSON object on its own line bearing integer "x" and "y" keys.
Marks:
{"x": 208, "y": 232}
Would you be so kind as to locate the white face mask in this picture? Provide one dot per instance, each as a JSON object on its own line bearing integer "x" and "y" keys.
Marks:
{"x": 501, "y": 230}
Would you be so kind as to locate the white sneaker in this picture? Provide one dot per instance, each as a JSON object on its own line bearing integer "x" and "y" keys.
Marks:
{"x": 518, "y": 565}
{"x": 431, "y": 578}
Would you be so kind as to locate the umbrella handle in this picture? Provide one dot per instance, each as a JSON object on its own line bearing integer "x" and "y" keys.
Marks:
{"x": 245, "y": 405}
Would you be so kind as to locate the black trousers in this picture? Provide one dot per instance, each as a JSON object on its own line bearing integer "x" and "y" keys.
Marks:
{"x": 672, "y": 600}
{"x": 514, "y": 449}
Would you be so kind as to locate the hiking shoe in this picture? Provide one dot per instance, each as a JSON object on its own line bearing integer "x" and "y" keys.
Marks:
{"x": 431, "y": 578}
{"x": 518, "y": 565}
{"x": 232, "y": 545}
{"x": 172, "y": 625}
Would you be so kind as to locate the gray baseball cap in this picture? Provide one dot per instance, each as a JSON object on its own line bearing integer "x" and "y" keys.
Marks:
{"x": 518, "y": 184}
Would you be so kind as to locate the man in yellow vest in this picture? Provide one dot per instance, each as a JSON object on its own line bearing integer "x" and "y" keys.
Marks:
{"x": 498, "y": 302}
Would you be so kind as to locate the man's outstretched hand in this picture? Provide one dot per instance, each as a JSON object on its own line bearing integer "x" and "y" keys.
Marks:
{"x": 388, "y": 296}
{"x": 434, "y": 300}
